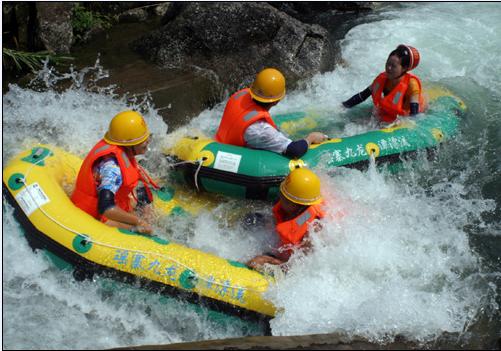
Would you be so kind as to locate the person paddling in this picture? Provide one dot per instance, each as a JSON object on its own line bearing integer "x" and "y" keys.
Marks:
{"x": 396, "y": 91}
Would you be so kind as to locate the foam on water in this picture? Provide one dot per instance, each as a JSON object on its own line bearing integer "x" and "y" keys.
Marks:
{"x": 72, "y": 118}
{"x": 399, "y": 261}
{"x": 44, "y": 307}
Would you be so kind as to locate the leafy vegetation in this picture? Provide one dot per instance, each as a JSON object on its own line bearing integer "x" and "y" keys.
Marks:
{"x": 84, "y": 20}
{"x": 31, "y": 60}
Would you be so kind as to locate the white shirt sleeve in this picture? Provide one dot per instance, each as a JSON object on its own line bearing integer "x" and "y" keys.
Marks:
{"x": 261, "y": 135}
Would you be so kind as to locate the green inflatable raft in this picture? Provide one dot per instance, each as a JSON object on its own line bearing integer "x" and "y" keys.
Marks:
{"x": 256, "y": 174}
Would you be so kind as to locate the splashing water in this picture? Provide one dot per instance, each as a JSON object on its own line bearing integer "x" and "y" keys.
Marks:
{"x": 44, "y": 114}
{"x": 404, "y": 256}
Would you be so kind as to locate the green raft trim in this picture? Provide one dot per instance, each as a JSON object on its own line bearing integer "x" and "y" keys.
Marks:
{"x": 259, "y": 172}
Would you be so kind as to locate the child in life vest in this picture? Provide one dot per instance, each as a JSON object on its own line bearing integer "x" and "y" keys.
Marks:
{"x": 299, "y": 207}
{"x": 395, "y": 92}
{"x": 107, "y": 183}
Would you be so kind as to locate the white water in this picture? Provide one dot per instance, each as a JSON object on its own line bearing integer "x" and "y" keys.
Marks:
{"x": 399, "y": 261}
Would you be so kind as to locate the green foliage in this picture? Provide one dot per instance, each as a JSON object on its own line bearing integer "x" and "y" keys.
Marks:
{"x": 84, "y": 20}
{"x": 31, "y": 60}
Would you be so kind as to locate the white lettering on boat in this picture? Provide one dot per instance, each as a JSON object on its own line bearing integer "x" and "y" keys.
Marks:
{"x": 390, "y": 144}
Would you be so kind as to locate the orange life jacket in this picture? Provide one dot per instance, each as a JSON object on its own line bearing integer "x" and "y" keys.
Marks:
{"x": 85, "y": 195}
{"x": 240, "y": 112}
{"x": 388, "y": 107}
{"x": 292, "y": 232}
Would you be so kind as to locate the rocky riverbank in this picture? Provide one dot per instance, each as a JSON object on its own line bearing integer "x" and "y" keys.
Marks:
{"x": 333, "y": 341}
{"x": 187, "y": 55}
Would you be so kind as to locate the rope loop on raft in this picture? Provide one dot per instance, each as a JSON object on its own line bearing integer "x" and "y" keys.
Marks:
{"x": 200, "y": 162}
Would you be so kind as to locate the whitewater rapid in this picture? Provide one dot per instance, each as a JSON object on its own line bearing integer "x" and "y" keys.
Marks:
{"x": 401, "y": 261}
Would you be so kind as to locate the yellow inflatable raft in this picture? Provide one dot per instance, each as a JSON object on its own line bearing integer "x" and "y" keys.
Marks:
{"x": 37, "y": 183}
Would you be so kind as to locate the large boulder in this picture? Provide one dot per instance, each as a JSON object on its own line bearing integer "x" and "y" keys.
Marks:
{"x": 318, "y": 11}
{"x": 235, "y": 40}
{"x": 55, "y": 28}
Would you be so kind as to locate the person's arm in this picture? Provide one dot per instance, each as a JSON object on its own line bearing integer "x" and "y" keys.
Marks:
{"x": 413, "y": 91}
{"x": 358, "y": 98}
{"x": 257, "y": 262}
{"x": 261, "y": 135}
{"x": 296, "y": 148}
{"x": 299, "y": 147}
{"x": 110, "y": 180}
{"x": 116, "y": 214}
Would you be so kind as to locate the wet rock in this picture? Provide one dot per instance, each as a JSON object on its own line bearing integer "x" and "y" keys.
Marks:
{"x": 143, "y": 13}
{"x": 162, "y": 8}
{"x": 55, "y": 28}
{"x": 313, "y": 12}
{"x": 115, "y": 8}
{"x": 235, "y": 41}
{"x": 133, "y": 15}
{"x": 332, "y": 341}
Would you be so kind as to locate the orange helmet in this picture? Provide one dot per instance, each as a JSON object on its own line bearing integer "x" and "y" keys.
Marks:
{"x": 414, "y": 56}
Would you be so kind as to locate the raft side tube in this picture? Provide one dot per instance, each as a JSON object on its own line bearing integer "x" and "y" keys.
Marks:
{"x": 256, "y": 174}
{"x": 74, "y": 236}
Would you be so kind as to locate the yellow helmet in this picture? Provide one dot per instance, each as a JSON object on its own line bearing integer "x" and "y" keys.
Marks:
{"x": 127, "y": 128}
{"x": 269, "y": 86}
{"x": 302, "y": 186}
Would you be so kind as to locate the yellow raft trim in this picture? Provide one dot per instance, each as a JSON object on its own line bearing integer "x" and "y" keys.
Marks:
{"x": 329, "y": 141}
{"x": 305, "y": 123}
{"x": 372, "y": 148}
{"x": 189, "y": 150}
{"x": 147, "y": 257}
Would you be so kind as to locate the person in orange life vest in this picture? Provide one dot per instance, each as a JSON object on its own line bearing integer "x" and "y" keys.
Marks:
{"x": 300, "y": 205}
{"x": 395, "y": 92}
{"x": 247, "y": 122}
{"x": 107, "y": 180}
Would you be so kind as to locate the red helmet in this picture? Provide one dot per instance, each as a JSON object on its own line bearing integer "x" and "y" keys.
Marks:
{"x": 414, "y": 56}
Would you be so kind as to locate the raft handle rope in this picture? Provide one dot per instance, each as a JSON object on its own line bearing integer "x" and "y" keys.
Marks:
{"x": 87, "y": 239}
{"x": 200, "y": 162}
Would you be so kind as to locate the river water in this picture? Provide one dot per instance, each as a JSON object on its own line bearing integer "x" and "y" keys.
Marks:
{"x": 417, "y": 253}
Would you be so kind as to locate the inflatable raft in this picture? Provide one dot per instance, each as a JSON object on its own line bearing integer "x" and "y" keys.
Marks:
{"x": 255, "y": 174}
{"x": 38, "y": 182}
